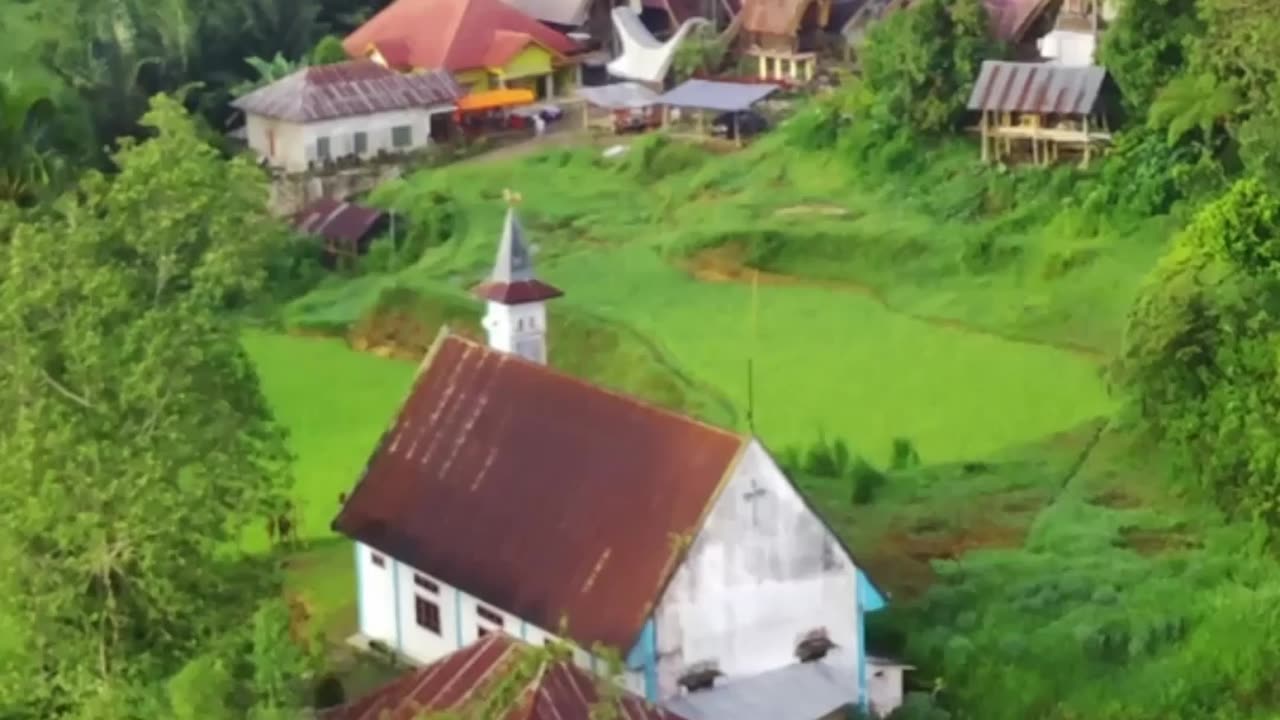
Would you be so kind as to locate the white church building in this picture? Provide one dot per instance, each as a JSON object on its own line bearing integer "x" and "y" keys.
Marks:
{"x": 510, "y": 497}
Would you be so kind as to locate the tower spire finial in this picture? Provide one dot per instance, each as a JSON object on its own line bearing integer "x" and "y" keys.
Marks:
{"x": 511, "y": 197}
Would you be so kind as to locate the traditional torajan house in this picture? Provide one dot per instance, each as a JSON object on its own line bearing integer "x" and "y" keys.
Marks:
{"x": 473, "y": 677}
{"x": 510, "y": 497}
{"x": 486, "y": 44}
{"x": 784, "y": 36}
{"x": 354, "y": 109}
{"x": 1043, "y": 109}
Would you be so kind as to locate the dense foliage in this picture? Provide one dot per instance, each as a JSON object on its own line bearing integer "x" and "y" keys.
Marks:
{"x": 1200, "y": 355}
{"x": 135, "y": 445}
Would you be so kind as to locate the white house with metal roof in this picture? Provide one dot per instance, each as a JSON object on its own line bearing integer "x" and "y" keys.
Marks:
{"x": 509, "y": 497}
{"x": 359, "y": 108}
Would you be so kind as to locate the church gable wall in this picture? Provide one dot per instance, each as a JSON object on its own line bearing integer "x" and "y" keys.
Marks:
{"x": 762, "y": 573}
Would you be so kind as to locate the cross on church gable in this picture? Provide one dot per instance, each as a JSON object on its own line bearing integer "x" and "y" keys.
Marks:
{"x": 752, "y": 496}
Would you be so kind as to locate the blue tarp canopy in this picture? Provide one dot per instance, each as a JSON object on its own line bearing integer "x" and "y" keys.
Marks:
{"x": 713, "y": 95}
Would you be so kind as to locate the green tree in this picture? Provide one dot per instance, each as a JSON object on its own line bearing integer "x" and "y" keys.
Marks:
{"x": 1146, "y": 46}
{"x": 1191, "y": 102}
{"x": 329, "y": 50}
{"x": 26, "y": 149}
{"x": 1199, "y": 360}
{"x": 267, "y": 72}
{"x": 920, "y": 64}
{"x": 202, "y": 691}
{"x": 135, "y": 443}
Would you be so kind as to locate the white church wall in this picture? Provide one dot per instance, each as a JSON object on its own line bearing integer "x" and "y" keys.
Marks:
{"x": 376, "y": 598}
{"x": 763, "y": 571}
{"x": 459, "y": 614}
{"x": 519, "y": 329}
{"x": 1073, "y": 49}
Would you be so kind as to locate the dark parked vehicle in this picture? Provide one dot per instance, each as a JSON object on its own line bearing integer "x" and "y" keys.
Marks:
{"x": 749, "y": 122}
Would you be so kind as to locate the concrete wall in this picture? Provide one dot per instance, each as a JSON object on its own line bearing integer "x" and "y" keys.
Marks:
{"x": 519, "y": 329}
{"x": 762, "y": 572}
{"x": 1067, "y": 48}
{"x": 296, "y": 145}
{"x": 387, "y": 612}
{"x": 884, "y": 685}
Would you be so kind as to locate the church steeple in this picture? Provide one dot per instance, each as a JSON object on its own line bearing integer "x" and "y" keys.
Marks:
{"x": 516, "y": 316}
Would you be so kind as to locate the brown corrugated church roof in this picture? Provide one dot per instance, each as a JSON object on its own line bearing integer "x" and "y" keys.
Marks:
{"x": 561, "y": 691}
{"x": 347, "y": 89}
{"x": 537, "y": 492}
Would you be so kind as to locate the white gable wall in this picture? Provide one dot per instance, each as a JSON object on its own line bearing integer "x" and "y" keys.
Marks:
{"x": 751, "y": 587}
{"x": 460, "y": 621}
{"x": 296, "y": 144}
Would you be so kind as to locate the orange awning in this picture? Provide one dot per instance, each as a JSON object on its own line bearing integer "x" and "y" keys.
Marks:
{"x": 496, "y": 99}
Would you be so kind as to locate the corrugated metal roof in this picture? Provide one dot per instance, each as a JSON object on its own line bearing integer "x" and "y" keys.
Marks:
{"x": 337, "y": 220}
{"x": 562, "y": 691}
{"x": 802, "y": 691}
{"x": 571, "y": 13}
{"x": 359, "y": 87}
{"x": 619, "y": 96}
{"x": 1037, "y": 87}
{"x": 452, "y": 35}
{"x": 714, "y": 95}
{"x": 1011, "y": 19}
{"x": 537, "y": 492}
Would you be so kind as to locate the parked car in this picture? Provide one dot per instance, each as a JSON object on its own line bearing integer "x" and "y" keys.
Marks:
{"x": 749, "y": 123}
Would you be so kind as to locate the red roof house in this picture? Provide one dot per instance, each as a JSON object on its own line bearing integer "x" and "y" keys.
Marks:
{"x": 557, "y": 691}
{"x": 485, "y": 43}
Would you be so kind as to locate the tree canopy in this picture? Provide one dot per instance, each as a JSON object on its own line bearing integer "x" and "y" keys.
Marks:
{"x": 135, "y": 443}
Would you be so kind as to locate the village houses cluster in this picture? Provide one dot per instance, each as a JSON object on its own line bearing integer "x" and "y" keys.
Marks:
{"x": 509, "y": 504}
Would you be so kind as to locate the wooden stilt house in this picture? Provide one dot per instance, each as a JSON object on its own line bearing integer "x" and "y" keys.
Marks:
{"x": 1041, "y": 111}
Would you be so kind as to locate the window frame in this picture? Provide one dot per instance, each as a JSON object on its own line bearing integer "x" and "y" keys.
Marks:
{"x": 324, "y": 148}
{"x": 360, "y": 142}
{"x": 424, "y": 606}
{"x": 408, "y": 136}
{"x": 426, "y": 583}
{"x": 378, "y": 559}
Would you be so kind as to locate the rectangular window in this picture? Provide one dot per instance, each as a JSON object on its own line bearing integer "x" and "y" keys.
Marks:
{"x": 322, "y": 148}
{"x": 427, "y": 614}
{"x": 488, "y": 615}
{"x": 425, "y": 584}
{"x": 378, "y": 560}
{"x": 402, "y": 136}
{"x": 360, "y": 143}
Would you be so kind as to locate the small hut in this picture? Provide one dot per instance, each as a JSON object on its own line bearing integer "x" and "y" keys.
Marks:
{"x": 784, "y": 36}
{"x": 345, "y": 228}
{"x": 1038, "y": 111}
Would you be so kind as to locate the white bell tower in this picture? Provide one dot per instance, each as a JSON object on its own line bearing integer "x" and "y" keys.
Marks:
{"x": 515, "y": 317}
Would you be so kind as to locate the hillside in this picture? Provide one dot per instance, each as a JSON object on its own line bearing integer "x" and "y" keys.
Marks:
{"x": 1041, "y": 554}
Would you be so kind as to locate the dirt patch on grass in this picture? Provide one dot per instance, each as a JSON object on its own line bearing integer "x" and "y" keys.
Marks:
{"x": 728, "y": 263}
{"x": 825, "y": 210}
{"x": 902, "y": 559}
{"x": 1117, "y": 499}
{"x": 1157, "y": 542}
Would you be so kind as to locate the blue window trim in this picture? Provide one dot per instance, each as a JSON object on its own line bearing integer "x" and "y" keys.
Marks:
{"x": 644, "y": 656}
{"x": 868, "y": 600}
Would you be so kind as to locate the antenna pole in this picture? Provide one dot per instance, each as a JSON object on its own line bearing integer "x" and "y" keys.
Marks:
{"x": 755, "y": 334}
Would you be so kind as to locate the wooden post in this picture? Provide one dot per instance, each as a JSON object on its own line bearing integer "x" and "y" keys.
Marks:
{"x": 701, "y": 118}
{"x": 985, "y": 132}
{"x": 737, "y": 132}
{"x": 1088, "y": 145}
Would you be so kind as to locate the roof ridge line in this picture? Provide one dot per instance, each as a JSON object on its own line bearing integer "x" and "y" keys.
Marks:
{"x": 551, "y": 370}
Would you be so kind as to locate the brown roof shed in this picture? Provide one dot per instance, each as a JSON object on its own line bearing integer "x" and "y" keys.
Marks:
{"x": 561, "y": 691}
{"x": 538, "y": 492}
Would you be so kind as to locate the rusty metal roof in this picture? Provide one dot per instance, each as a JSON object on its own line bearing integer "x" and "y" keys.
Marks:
{"x": 358, "y": 87}
{"x": 1038, "y": 88}
{"x": 562, "y": 691}
{"x": 337, "y": 220}
{"x": 538, "y": 493}
{"x": 1011, "y": 19}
